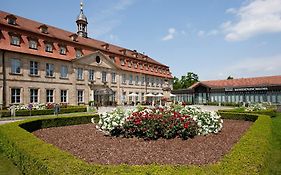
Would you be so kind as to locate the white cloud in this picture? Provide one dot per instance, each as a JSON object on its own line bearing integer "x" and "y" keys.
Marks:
{"x": 256, "y": 66}
{"x": 201, "y": 33}
{"x": 255, "y": 18}
{"x": 170, "y": 35}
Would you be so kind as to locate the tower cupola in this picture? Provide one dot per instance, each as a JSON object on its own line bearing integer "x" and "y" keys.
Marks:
{"x": 82, "y": 23}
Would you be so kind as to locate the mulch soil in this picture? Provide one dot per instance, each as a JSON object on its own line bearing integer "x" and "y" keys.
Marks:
{"x": 89, "y": 144}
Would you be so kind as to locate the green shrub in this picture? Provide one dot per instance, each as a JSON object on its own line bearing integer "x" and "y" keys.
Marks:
{"x": 33, "y": 156}
{"x": 70, "y": 109}
{"x": 269, "y": 112}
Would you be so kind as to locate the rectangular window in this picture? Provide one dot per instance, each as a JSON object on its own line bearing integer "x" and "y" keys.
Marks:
{"x": 33, "y": 68}
{"x": 113, "y": 77}
{"x": 79, "y": 53}
{"x": 49, "y": 95}
{"x": 147, "y": 81}
{"x": 15, "y": 40}
{"x": 152, "y": 81}
{"x": 137, "y": 80}
{"x": 129, "y": 64}
{"x": 141, "y": 66}
{"x": 142, "y": 97}
{"x": 80, "y": 96}
{"x": 157, "y": 82}
{"x": 131, "y": 79}
{"x": 142, "y": 80}
{"x": 15, "y": 67}
{"x": 91, "y": 75}
{"x": 79, "y": 74}
{"x": 48, "y": 47}
{"x": 63, "y": 71}
{"x": 15, "y": 96}
{"x": 62, "y": 50}
{"x": 33, "y": 44}
{"x": 50, "y": 70}
{"x": 63, "y": 96}
{"x": 33, "y": 95}
{"x": 123, "y": 78}
{"x": 103, "y": 76}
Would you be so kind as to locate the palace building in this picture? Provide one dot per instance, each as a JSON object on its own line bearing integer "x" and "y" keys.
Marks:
{"x": 40, "y": 63}
{"x": 248, "y": 90}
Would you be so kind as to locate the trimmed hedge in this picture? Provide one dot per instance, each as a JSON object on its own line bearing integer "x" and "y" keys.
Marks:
{"x": 6, "y": 113}
{"x": 269, "y": 112}
{"x": 33, "y": 156}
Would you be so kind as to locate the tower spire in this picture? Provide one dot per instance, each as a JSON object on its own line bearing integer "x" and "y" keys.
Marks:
{"x": 82, "y": 22}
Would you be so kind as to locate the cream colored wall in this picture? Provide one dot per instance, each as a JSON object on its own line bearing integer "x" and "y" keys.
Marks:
{"x": 26, "y": 82}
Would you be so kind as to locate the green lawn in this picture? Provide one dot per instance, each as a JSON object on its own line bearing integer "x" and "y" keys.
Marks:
{"x": 274, "y": 164}
{"x": 7, "y": 167}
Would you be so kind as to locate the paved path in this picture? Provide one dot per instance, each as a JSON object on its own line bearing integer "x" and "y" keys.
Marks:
{"x": 213, "y": 108}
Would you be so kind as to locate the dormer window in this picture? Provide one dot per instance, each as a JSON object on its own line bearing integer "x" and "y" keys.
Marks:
{"x": 123, "y": 51}
{"x": 33, "y": 43}
{"x": 48, "y": 47}
{"x": 135, "y": 54}
{"x": 78, "y": 53}
{"x": 146, "y": 67}
{"x": 62, "y": 49}
{"x": 141, "y": 66}
{"x": 43, "y": 29}
{"x": 15, "y": 40}
{"x": 129, "y": 64}
{"x": 11, "y": 19}
{"x": 105, "y": 46}
{"x": 135, "y": 65}
{"x": 122, "y": 61}
{"x": 74, "y": 37}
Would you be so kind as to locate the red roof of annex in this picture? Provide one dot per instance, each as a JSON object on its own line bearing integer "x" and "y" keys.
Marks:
{"x": 241, "y": 82}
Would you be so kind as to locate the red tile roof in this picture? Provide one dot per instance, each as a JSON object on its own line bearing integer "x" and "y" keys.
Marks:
{"x": 242, "y": 82}
{"x": 27, "y": 27}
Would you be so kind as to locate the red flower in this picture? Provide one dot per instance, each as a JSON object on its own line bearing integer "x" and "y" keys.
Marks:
{"x": 186, "y": 125}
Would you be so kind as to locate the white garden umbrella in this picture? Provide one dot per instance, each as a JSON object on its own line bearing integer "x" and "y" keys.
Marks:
{"x": 160, "y": 95}
{"x": 133, "y": 95}
{"x": 150, "y": 95}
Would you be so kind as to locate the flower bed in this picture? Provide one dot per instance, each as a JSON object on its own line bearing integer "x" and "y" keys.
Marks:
{"x": 169, "y": 122}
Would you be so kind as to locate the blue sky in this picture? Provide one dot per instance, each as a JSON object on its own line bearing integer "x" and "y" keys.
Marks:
{"x": 212, "y": 38}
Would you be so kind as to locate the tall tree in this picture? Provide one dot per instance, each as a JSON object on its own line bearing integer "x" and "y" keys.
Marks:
{"x": 176, "y": 83}
{"x": 186, "y": 81}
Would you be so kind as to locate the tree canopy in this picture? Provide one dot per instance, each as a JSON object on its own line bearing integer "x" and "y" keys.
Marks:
{"x": 186, "y": 81}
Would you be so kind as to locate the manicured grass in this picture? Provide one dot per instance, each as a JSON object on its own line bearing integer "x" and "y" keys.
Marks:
{"x": 7, "y": 167}
{"x": 274, "y": 162}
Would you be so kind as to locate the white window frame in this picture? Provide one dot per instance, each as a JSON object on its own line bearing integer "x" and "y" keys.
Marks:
{"x": 48, "y": 47}
{"x": 15, "y": 66}
{"x": 113, "y": 77}
{"x": 64, "y": 71}
{"x": 91, "y": 75}
{"x": 104, "y": 76}
{"x": 33, "y": 68}
{"x": 79, "y": 73}
{"x": 15, "y": 95}
{"x": 50, "y": 96}
{"x": 33, "y": 44}
{"x": 50, "y": 70}
{"x": 15, "y": 40}
{"x": 34, "y": 95}
{"x": 80, "y": 96}
{"x": 64, "y": 96}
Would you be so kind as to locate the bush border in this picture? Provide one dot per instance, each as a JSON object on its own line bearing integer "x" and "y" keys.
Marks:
{"x": 33, "y": 156}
